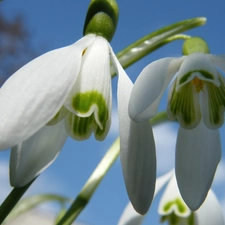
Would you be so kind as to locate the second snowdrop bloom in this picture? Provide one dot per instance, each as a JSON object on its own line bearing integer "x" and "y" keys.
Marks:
{"x": 173, "y": 210}
{"x": 197, "y": 100}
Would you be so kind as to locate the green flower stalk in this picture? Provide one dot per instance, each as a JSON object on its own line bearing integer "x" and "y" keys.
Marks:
{"x": 89, "y": 188}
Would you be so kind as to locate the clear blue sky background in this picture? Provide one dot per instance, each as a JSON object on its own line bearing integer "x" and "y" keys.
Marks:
{"x": 58, "y": 23}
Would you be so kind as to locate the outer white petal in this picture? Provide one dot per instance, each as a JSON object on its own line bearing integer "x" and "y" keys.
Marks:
{"x": 172, "y": 194}
{"x": 130, "y": 216}
{"x": 35, "y": 93}
{"x": 150, "y": 86}
{"x": 210, "y": 213}
{"x": 218, "y": 61}
{"x": 198, "y": 153}
{"x": 34, "y": 155}
{"x": 161, "y": 181}
{"x": 137, "y": 148}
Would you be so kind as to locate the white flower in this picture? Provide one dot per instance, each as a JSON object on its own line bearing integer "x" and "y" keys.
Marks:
{"x": 197, "y": 100}
{"x": 69, "y": 89}
{"x": 173, "y": 209}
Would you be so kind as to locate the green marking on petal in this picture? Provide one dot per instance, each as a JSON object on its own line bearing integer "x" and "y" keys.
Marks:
{"x": 180, "y": 205}
{"x": 204, "y": 74}
{"x": 81, "y": 128}
{"x": 178, "y": 214}
{"x": 82, "y": 103}
{"x": 93, "y": 116}
{"x": 178, "y": 202}
{"x": 184, "y": 105}
{"x": 216, "y": 103}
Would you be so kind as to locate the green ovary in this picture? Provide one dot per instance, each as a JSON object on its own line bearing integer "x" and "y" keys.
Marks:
{"x": 97, "y": 122}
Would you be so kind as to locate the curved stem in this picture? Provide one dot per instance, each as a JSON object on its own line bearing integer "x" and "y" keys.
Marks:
{"x": 11, "y": 200}
{"x": 90, "y": 186}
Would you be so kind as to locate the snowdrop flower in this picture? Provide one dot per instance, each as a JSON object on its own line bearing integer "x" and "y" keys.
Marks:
{"x": 196, "y": 99}
{"x": 67, "y": 91}
{"x": 173, "y": 209}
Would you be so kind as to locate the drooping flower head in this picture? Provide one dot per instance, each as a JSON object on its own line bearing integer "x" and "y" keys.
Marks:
{"x": 173, "y": 209}
{"x": 196, "y": 99}
{"x": 68, "y": 91}
{"x": 71, "y": 83}
{"x": 90, "y": 101}
{"x": 199, "y": 86}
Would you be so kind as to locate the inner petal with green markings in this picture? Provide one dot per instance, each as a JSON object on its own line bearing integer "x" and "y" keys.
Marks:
{"x": 175, "y": 212}
{"x": 93, "y": 115}
{"x": 197, "y": 94}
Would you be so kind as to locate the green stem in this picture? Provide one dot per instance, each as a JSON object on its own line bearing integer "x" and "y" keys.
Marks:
{"x": 12, "y": 199}
{"x": 89, "y": 188}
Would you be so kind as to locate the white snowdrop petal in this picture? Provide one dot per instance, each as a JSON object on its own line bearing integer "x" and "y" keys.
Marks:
{"x": 150, "y": 86}
{"x": 198, "y": 153}
{"x": 137, "y": 148}
{"x": 210, "y": 212}
{"x": 91, "y": 95}
{"x": 34, "y": 155}
{"x": 35, "y": 93}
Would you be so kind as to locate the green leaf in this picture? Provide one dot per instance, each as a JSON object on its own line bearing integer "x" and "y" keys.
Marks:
{"x": 155, "y": 40}
{"x": 29, "y": 203}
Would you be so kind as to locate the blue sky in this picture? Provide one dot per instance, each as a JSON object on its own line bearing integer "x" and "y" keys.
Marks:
{"x": 58, "y": 23}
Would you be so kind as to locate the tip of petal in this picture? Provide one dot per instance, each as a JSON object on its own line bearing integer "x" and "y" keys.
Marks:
{"x": 139, "y": 165}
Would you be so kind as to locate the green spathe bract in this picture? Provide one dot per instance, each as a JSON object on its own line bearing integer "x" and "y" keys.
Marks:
{"x": 101, "y": 18}
{"x": 82, "y": 103}
{"x": 195, "y": 44}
